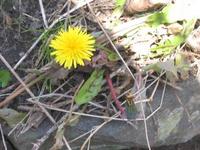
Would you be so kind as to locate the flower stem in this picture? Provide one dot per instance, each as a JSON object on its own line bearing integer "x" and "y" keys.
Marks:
{"x": 113, "y": 95}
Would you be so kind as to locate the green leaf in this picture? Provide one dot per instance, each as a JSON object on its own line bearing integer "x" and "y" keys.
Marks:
{"x": 5, "y": 78}
{"x": 11, "y": 116}
{"x": 167, "y": 47}
{"x": 90, "y": 88}
{"x": 112, "y": 56}
{"x": 120, "y": 3}
{"x": 155, "y": 67}
{"x": 173, "y": 13}
{"x": 119, "y": 8}
{"x": 168, "y": 66}
{"x": 161, "y": 17}
{"x": 182, "y": 65}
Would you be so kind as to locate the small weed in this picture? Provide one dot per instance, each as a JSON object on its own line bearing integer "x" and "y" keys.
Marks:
{"x": 44, "y": 53}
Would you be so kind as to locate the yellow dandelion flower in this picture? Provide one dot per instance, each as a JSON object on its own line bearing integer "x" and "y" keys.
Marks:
{"x": 72, "y": 47}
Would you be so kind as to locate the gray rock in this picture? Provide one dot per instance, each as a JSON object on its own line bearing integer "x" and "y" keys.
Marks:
{"x": 177, "y": 121}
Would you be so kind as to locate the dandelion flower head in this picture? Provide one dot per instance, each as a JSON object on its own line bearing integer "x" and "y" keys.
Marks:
{"x": 72, "y": 47}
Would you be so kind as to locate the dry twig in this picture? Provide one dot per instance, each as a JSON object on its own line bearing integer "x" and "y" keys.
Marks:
{"x": 25, "y": 86}
{"x": 43, "y": 14}
{"x": 109, "y": 39}
{"x": 3, "y": 139}
{"x": 50, "y": 27}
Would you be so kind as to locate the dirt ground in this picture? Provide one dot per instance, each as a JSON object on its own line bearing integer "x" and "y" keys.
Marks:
{"x": 19, "y": 26}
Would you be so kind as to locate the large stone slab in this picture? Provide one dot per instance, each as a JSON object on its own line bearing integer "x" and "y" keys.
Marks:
{"x": 177, "y": 121}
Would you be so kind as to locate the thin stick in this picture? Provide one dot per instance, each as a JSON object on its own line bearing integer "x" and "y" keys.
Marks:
{"x": 70, "y": 115}
{"x": 40, "y": 141}
{"x": 66, "y": 143}
{"x": 43, "y": 14}
{"x": 109, "y": 39}
{"x": 18, "y": 124}
{"x": 145, "y": 127}
{"x": 24, "y": 85}
{"x": 19, "y": 91}
{"x": 49, "y": 132}
{"x": 30, "y": 50}
{"x": 161, "y": 102}
{"x": 81, "y": 136}
{"x": 92, "y": 134}
{"x": 50, "y": 27}
{"x": 143, "y": 89}
{"x": 3, "y": 139}
{"x": 77, "y": 113}
{"x": 185, "y": 109}
{"x": 168, "y": 83}
{"x": 138, "y": 86}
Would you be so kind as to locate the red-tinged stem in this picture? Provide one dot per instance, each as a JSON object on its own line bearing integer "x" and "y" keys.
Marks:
{"x": 113, "y": 94}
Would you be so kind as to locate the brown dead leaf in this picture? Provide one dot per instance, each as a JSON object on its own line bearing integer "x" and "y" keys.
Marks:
{"x": 58, "y": 137}
{"x": 59, "y": 74}
{"x": 174, "y": 28}
{"x": 7, "y": 20}
{"x": 193, "y": 40}
{"x": 34, "y": 120}
{"x": 134, "y": 6}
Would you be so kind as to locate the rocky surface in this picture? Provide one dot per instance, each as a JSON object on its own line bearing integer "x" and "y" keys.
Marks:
{"x": 177, "y": 121}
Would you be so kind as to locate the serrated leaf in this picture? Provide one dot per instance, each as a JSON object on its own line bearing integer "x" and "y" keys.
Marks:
{"x": 5, "y": 78}
{"x": 11, "y": 116}
{"x": 90, "y": 88}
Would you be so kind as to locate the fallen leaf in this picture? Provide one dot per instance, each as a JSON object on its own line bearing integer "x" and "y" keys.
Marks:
{"x": 11, "y": 116}
{"x": 59, "y": 138}
{"x": 174, "y": 28}
{"x": 193, "y": 40}
{"x": 59, "y": 74}
{"x": 168, "y": 66}
{"x": 133, "y": 6}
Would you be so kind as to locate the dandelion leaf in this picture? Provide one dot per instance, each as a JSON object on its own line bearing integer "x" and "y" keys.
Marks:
{"x": 90, "y": 88}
